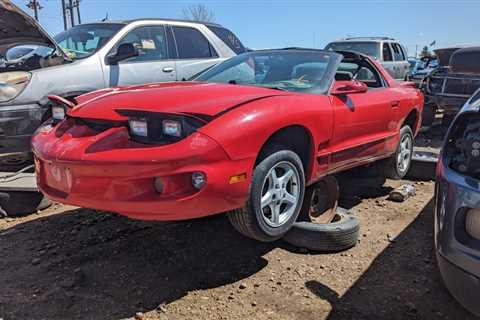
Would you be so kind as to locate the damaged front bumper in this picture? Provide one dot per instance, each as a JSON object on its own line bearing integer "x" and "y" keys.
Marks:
{"x": 17, "y": 125}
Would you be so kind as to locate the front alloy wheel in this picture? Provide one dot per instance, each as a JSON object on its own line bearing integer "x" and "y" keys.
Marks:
{"x": 280, "y": 194}
{"x": 276, "y": 195}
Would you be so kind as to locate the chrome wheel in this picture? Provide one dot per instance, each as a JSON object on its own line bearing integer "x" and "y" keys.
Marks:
{"x": 405, "y": 153}
{"x": 280, "y": 194}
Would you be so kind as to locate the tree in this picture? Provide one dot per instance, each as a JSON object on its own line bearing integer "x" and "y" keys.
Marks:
{"x": 198, "y": 12}
{"x": 425, "y": 53}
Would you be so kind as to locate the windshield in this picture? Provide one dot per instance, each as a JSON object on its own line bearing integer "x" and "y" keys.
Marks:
{"x": 371, "y": 49}
{"x": 84, "y": 40}
{"x": 293, "y": 70}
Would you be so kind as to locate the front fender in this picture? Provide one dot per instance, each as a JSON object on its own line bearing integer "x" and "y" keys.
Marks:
{"x": 243, "y": 131}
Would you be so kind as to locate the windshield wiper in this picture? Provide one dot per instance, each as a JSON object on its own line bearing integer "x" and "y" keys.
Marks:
{"x": 276, "y": 88}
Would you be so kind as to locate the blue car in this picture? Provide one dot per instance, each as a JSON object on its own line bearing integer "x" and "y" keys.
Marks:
{"x": 457, "y": 216}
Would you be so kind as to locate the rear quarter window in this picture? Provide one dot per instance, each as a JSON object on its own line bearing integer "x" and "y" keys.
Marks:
{"x": 192, "y": 44}
{"x": 229, "y": 38}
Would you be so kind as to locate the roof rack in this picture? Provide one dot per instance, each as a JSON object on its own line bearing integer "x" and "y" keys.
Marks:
{"x": 376, "y": 38}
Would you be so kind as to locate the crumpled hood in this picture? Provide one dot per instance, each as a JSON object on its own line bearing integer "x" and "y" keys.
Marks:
{"x": 210, "y": 99}
{"x": 17, "y": 28}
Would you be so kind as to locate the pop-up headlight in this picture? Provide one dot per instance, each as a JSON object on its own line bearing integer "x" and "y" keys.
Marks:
{"x": 160, "y": 128}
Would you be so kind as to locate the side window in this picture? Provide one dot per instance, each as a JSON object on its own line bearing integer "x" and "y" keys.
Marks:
{"x": 150, "y": 43}
{"x": 397, "y": 52}
{"x": 229, "y": 38}
{"x": 192, "y": 44}
{"x": 387, "y": 52}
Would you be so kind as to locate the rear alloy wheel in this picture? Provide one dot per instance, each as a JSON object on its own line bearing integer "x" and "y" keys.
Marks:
{"x": 398, "y": 165}
{"x": 276, "y": 196}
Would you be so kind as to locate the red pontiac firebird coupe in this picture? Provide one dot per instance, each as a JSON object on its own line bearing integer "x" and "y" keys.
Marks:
{"x": 247, "y": 136}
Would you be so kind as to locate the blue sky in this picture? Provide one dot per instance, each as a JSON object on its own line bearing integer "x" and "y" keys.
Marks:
{"x": 308, "y": 23}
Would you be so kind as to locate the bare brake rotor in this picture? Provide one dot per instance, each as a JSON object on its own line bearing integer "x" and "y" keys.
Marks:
{"x": 324, "y": 200}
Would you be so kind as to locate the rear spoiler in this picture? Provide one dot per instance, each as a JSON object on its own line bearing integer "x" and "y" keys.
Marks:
{"x": 57, "y": 100}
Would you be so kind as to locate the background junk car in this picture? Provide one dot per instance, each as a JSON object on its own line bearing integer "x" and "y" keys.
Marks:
{"x": 453, "y": 83}
{"x": 177, "y": 150}
{"x": 457, "y": 217}
{"x": 93, "y": 56}
{"x": 389, "y": 52}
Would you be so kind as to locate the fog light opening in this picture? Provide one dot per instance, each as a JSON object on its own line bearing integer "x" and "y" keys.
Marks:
{"x": 472, "y": 223}
{"x": 198, "y": 180}
{"x": 158, "y": 184}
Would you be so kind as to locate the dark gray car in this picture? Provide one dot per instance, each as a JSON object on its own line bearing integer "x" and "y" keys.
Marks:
{"x": 457, "y": 216}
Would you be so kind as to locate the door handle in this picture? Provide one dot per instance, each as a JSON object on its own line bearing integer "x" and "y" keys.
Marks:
{"x": 395, "y": 103}
{"x": 167, "y": 69}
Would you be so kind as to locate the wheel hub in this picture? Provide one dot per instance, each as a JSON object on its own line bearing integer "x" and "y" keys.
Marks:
{"x": 405, "y": 154}
{"x": 280, "y": 194}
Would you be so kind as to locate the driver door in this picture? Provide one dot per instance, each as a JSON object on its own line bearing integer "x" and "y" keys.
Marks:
{"x": 152, "y": 63}
{"x": 363, "y": 125}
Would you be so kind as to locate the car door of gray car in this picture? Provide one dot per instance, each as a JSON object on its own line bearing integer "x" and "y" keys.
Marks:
{"x": 195, "y": 52}
{"x": 387, "y": 59}
{"x": 152, "y": 64}
{"x": 400, "y": 62}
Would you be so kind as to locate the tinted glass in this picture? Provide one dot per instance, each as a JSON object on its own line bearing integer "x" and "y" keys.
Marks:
{"x": 150, "y": 42}
{"x": 387, "y": 52}
{"x": 397, "y": 52}
{"x": 292, "y": 70}
{"x": 368, "y": 48}
{"x": 192, "y": 44}
{"x": 84, "y": 40}
{"x": 229, "y": 38}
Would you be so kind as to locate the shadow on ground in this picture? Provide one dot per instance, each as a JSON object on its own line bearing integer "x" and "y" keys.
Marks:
{"x": 60, "y": 267}
{"x": 402, "y": 282}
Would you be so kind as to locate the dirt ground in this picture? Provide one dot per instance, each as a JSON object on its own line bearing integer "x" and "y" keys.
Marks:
{"x": 70, "y": 263}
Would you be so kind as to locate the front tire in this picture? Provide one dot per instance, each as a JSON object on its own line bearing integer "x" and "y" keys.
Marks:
{"x": 276, "y": 196}
{"x": 398, "y": 165}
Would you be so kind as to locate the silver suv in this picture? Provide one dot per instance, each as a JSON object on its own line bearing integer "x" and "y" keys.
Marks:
{"x": 389, "y": 52}
{"x": 94, "y": 56}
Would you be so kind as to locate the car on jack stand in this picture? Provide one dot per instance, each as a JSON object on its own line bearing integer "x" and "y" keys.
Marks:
{"x": 92, "y": 56}
{"x": 247, "y": 136}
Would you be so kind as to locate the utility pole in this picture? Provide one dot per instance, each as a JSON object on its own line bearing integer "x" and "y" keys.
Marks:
{"x": 77, "y": 4}
{"x": 35, "y": 6}
{"x": 70, "y": 9}
{"x": 64, "y": 14}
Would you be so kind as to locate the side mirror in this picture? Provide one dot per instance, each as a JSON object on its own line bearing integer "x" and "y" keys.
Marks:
{"x": 124, "y": 51}
{"x": 349, "y": 87}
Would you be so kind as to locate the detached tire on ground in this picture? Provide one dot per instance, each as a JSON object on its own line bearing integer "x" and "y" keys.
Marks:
{"x": 339, "y": 235}
{"x": 20, "y": 203}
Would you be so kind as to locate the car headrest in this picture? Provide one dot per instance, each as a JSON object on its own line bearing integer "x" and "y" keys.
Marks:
{"x": 343, "y": 76}
{"x": 309, "y": 71}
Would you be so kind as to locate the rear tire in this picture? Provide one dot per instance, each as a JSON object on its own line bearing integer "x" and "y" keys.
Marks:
{"x": 276, "y": 196}
{"x": 397, "y": 166}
